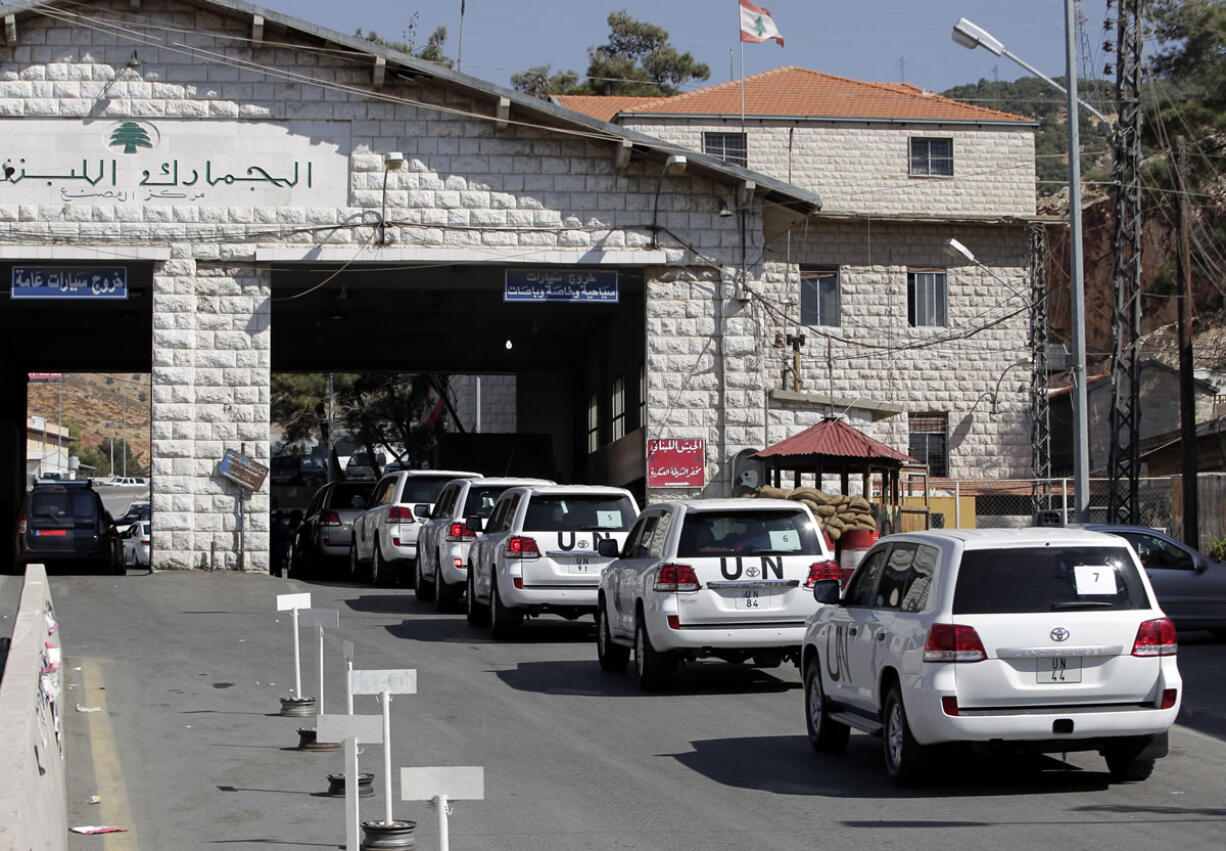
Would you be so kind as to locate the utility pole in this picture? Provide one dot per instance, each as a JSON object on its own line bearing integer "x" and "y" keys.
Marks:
{"x": 124, "y": 394}
{"x": 1187, "y": 386}
{"x": 796, "y": 341}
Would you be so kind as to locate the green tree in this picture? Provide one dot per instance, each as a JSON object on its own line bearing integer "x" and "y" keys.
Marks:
{"x": 299, "y": 404}
{"x": 432, "y": 51}
{"x": 638, "y": 60}
{"x": 390, "y": 411}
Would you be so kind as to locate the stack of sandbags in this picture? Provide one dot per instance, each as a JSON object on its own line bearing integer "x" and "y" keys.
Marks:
{"x": 837, "y": 513}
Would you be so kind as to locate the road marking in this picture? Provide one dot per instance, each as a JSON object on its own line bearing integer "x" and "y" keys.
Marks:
{"x": 108, "y": 773}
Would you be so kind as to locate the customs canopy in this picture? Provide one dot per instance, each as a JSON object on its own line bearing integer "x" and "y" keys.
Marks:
{"x": 833, "y": 446}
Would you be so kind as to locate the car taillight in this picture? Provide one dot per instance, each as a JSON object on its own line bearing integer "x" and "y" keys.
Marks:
{"x": 1168, "y": 697}
{"x": 1155, "y": 638}
{"x": 674, "y": 622}
{"x": 676, "y": 577}
{"x": 458, "y": 533}
{"x": 518, "y": 547}
{"x": 953, "y": 643}
{"x": 21, "y": 525}
{"x": 949, "y": 705}
{"x": 329, "y": 518}
{"x": 401, "y": 514}
{"x": 822, "y": 570}
{"x": 459, "y": 563}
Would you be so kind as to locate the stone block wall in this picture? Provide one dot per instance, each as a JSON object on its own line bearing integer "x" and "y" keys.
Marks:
{"x": 863, "y": 168}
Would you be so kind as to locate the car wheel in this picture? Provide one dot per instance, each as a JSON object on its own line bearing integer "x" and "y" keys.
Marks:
{"x": 378, "y": 570}
{"x": 354, "y": 572}
{"x": 473, "y": 611}
{"x": 445, "y": 596}
{"x": 424, "y": 589}
{"x": 612, "y": 657}
{"x": 503, "y": 621}
{"x": 652, "y": 668}
{"x": 825, "y": 734}
{"x": 904, "y": 757}
{"x": 1124, "y": 766}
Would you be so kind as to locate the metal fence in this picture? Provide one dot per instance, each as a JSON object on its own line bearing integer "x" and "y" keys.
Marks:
{"x": 996, "y": 504}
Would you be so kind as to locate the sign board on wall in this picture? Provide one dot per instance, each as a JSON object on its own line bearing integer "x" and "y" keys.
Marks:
{"x": 676, "y": 463}
{"x": 70, "y": 283}
{"x": 568, "y": 286}
{"x": 242, "y": 470}
{"x": 204, "y": 162}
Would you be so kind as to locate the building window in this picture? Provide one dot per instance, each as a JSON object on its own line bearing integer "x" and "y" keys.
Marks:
{"x": 929, "y": 441}
{"x": 926, "y": 299}
{"x": 819, "y": 297}
{"x": 618, "y": 406}
{"x": 729, "y": 147}
{"x": 932, "y": 157}
{"x": 593, "y": 423}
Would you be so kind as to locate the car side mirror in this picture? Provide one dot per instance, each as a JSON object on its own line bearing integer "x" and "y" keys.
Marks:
{"x": 608, "y": 547}
{"x": 421, "y": 510}
{"x": 826, "y": 591}
{"x": 1202, "y": 564}
{"x": 474, "y": 523}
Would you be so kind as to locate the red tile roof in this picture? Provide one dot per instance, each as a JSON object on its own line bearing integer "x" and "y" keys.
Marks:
{"x": 798, "y": 92}
{"x": 834, "y": 438}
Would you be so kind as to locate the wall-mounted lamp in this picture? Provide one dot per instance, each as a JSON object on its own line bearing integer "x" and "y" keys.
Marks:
{"x": 673, "y": 166}
{"x": 725, "y": 209}
{"x": 391, "y": 162}
{"x": 134, "y": 62}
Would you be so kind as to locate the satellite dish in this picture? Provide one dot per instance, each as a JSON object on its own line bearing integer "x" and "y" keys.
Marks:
{"x": 748, "y": 471}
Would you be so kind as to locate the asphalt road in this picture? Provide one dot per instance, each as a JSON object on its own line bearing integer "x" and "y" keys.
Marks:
{"x": 188, "y": 752}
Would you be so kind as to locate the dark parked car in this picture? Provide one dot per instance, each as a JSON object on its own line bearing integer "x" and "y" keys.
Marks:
{"x": 1191, "y": 587}
{"x": 67, "y": 524}
{"x": 322, "y": 539}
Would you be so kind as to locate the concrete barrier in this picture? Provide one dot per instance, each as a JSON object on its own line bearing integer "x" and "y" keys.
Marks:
{"x": 33, "y": 795}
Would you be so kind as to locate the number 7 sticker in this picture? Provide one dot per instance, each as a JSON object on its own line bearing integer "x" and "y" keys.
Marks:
{"x": 1094, "y": 579}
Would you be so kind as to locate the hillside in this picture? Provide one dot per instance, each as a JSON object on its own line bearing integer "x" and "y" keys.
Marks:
{"x": 92, "y": 400}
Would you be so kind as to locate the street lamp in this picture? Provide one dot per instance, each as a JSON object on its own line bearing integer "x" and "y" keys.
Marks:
{"x": 971, "y": 36}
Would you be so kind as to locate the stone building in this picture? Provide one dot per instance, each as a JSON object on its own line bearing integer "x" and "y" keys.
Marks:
{"x": 211, "y": 192}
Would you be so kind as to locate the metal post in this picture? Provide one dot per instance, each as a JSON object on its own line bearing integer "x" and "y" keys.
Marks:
{"x": 444, "y": 843}
{"x": 297, "y": 660}
{"x": 349, "y": 686}
{"x": 957, "y": 505}
{"x": 320, "y": 702}
{"x": 353, "y": 841}
{"x": 123, "y": 394}
{"x": 1081, "y": 439}
{"x": 387, "y": 756}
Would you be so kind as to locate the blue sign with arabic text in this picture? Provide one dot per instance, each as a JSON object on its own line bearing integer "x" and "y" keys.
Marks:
{"x": 571, "y": 286}
{"x": 75, "y": 283}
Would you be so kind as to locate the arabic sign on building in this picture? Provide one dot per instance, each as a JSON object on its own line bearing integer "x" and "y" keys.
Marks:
{"x": 75, "y": 283}
{"x": 242, "y": 470}
{"x": 676, "y": 463}
{"x": 560, "y": 285}
{"x": 305, "y": 163}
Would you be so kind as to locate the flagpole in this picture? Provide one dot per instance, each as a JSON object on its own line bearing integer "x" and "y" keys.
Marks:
{"x": 459, "y": 60}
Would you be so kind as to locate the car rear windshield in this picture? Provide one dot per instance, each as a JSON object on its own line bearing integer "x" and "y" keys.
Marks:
{"x": 64, "y": 506}
{"x": 344, "y": 493}
{"x": 1046, "y": 579}
{"x": 720, "y": 533}
{"x": 481, "y": 499}
{"x": 578, "y": 513}
{"x": 422, "y": 489}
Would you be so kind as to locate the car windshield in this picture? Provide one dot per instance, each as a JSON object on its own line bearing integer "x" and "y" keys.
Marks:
{"x": 723, "y": 533}
{"x": 423, "y": 488}
{"x": 1047, "y": 579}
{"x": 579, "y": 513}
{"x": 64, "y": 506}
{"x": 481, "y": 499}
{"x": 344, "y": 493}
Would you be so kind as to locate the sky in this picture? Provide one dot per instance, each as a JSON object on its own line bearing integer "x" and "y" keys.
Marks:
{"x": 873, "y": 40}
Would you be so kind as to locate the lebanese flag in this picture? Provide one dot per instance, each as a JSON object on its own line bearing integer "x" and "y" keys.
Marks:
{"x": 757, "y": 24}
{"x": 434, "y": 401}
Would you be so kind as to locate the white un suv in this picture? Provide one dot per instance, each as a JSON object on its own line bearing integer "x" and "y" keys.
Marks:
{"x": 1048, "y": 640}
{"x": 726, "y": 578}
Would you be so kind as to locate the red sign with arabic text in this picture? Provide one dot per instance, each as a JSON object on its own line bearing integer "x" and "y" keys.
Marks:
{"x": 676, "y": 463}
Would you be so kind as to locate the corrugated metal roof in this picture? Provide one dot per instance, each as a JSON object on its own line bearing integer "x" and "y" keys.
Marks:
{"x": 835, "y": 438}
{"x": 801, "y": 92}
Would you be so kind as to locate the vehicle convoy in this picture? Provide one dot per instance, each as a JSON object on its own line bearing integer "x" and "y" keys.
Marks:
{"x": 385, "y": 534}
{"x": 322, "y": 538}
{"x": 66, "y": 523}
{"x": 726, "y": 578}
{"x": 1043, "y": 640}
{"x": 1191, "y": 587}
{"x": 538, "y": 553}
{"x": 445, "y": 539}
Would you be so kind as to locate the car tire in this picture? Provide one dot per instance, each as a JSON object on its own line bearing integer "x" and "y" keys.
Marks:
{"x": 504, "y": 622}
{"x": 355, "y": 572}
{"x": 1125, "y": 767}
{"x": 446, "y": 597}
{"x": 423, "y": 589}
{"x": 825, "y": 734}
{"x": 905, "y": 758}
{"x": 378, "y": 570}
{"x": 613, "y": 657}
{"x": 474, "y": 612}
{"x": 653, "y": 669}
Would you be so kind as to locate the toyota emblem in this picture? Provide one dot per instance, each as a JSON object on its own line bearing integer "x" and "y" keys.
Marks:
{"x": 582, "y": 545}
{"x": 1059, "y": 634}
